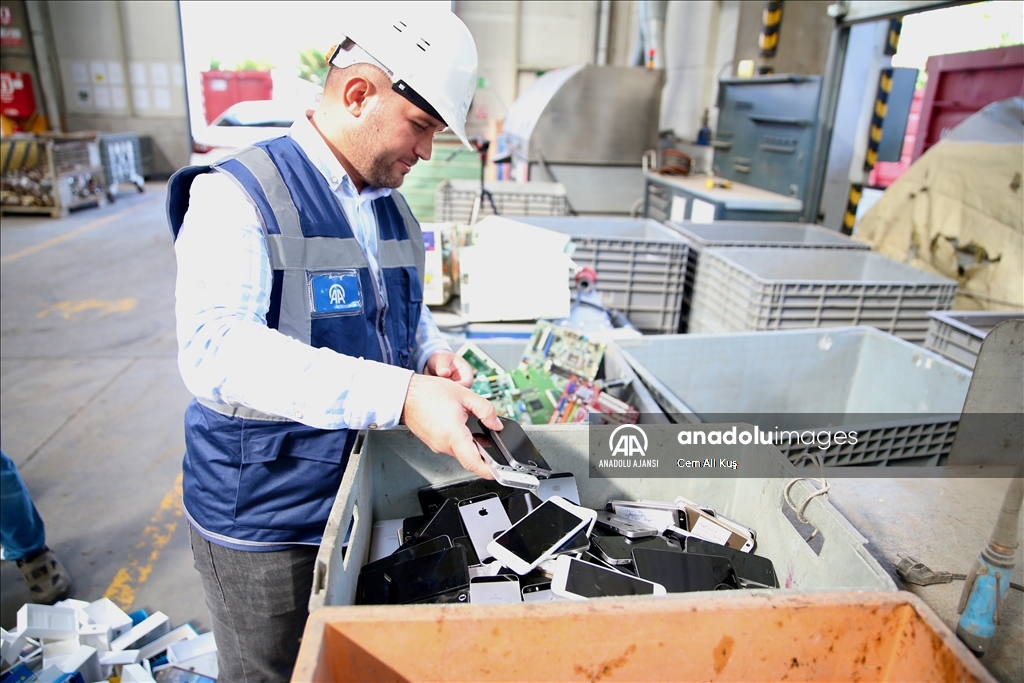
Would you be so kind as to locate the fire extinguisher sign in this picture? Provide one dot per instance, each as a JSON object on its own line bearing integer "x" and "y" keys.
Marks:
{"x": 10, "y": 36}
{"x": 16, "y": 97}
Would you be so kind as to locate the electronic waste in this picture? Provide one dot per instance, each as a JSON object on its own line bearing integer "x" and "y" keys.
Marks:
{"x": 528, "y": 539}
{"x": 555, "y": 381}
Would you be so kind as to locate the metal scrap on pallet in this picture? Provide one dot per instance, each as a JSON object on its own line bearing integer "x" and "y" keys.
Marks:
{"x": 78, "y": 641}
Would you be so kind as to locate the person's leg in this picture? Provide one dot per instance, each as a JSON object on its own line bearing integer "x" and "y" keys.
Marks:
{"x": 258, "y": 605}
{"x": 21, "y": 528}
{"x": 23, "y": 537}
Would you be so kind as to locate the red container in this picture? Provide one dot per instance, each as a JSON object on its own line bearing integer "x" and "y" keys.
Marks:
{"x": 221, "y": 89}
{"x": 962, "y": 84}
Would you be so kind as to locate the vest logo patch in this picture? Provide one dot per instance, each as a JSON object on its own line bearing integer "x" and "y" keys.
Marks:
{"x": 335, "y": 293}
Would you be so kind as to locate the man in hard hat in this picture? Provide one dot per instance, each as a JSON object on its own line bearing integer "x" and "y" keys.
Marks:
{"x": 300, "y": 322}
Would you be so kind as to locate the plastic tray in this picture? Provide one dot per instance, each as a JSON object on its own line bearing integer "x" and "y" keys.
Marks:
{"x": 957, "y": 335}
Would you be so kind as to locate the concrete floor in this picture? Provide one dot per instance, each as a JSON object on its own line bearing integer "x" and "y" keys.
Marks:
{"x": 91, "y": 411}
{"x": 91, "y": 402}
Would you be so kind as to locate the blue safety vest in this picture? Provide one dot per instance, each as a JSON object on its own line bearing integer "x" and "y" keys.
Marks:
{"x": 254, "y": 481}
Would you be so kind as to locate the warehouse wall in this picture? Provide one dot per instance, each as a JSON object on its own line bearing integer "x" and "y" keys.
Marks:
{"x": 803, "y": 37}
{"x": 700, "y": 39}
{"x": 124, "y": 72}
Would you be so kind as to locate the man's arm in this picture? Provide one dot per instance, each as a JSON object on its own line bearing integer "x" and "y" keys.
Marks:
{"x": 226, "y": 352}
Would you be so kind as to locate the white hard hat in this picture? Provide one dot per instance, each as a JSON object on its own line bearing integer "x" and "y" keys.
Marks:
{"x": 430, "y": 56}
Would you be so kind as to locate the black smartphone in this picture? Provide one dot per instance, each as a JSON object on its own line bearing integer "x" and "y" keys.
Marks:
{"x": 752, "y": 571}
{"x": 578, "y": 543}
{"x": 618, "y": 550}
{"x": 427, "y": 547}
{"x": 682, "y": 573}
{"x": 445, "y": 522}
{"x": 411, "y": 526}
{"x": 578, "y": 580}
{"x": 432, "y": 497}
{"x": 419, "y": 579}
{"x": 518, "y": 449}
{"x": 471, "y": 556}
{"x": 520, "y": 504}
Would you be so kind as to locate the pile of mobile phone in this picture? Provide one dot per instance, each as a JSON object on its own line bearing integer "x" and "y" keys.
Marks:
{"x": 525, "y": 537}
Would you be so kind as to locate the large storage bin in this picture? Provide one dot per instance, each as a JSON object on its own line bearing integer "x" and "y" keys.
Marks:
{"x": 679, "y": 198}
{"x": 509, "y": 352}
{"x": 749, "y": 289}
{"x": 50, "y": 173}
{"x": 387, "y": 468}
{"x": 454, "y": 199}
{"x": 122, "y": 161}
{"x": 831, "y": 637}
{"x": 639, "y": 262}
{"x": 957, "y": 335}
{"x": 905, "y": 402}
{"x": 701, "y": 236}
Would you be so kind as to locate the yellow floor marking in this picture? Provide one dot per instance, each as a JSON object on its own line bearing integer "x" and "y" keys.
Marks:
{"x": 68, "y": 308}
{"x": 155, "y": 537}
{"x": 28, "y": 251}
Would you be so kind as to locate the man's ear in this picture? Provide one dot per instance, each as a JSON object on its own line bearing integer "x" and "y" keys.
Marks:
{"x": 357, "y": 94}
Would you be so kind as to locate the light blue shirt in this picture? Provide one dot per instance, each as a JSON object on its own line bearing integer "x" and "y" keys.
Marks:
{"x": 223, "y": 296}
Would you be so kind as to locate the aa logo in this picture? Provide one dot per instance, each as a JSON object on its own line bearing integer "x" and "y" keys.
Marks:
{"x": 628, "y": 440}
{"x": 336, "y": 294}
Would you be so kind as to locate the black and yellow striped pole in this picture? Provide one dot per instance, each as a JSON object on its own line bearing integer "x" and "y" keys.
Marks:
{"x": 875, "y": 133}
{"x": 771, "y": 20}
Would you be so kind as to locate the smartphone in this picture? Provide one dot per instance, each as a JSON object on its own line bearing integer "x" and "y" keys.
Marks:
{"x": 445, "y": 522}
{"x": 752, "y": 571}
{"x": 519, "y": 451}
{"x": 432, "y": 497}
{"x": 538, "y": 592}
{"x": 683, "y": 573}
{"x": 722, "y": 519}
{"x": 702, "y": 525}
{"x": 617, "y": 550}
{"x": 577, "y": 544}
{"x": 495, "y": 590}
{"x": 623, "y": 526}
{"x": 467, "y": 545}
{"x": 578, "y": 580}
{"x": 483, "y": 517}
{"x": 384, "y": 539}
{"x": 415, "y": 580}
{"x": 559, "y": 484}
{"x": 427, "y": 547}
{"x": 660, "y": 516}
{"x": 538, "y": 535}
{"x": 411, "y": 526}
{"x": 520, "y": 504}
{"x": 499, "y": 467}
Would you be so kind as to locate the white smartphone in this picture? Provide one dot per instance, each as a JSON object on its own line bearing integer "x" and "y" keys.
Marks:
{"x": 540, "y": 592}
{"x": 659, "y": 516}
{"x": 384, "y": 539}
{"x": 494, "y": 590}
{"x": 578, "y": 580}
{"x": 483, "y": 516}
{"x": 702, "y": 525}
{"x": 740, "y": 528}
{"x": 539, "y": 534}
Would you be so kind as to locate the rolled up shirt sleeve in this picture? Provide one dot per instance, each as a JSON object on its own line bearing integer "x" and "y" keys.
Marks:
{"x": 428, "y": 339}
{"x": 226, "y": 352}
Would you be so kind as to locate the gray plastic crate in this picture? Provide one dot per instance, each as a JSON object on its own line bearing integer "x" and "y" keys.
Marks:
{"x": 454, "y": 199}
{"x": 750, "y": 289}
{"x": 640, "y": 265}
{"x": 719, "y": 234}
{"x": 848, "y": 374}
{"x": 122, "y": 161}
{"x": 387, "y": 468}
{"x": 957, "y": 335}
{"x": 509, "y": 352}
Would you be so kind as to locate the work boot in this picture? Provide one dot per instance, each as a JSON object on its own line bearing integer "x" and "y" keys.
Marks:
{"x": 47, "y": 580}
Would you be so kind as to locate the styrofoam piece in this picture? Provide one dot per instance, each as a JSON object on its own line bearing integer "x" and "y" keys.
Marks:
{"x": 44, "y": 621}
{"x": 50, "y": 674}
{"x": 204, "y": 665}
{"x": 136, "y": 673}
{"x": 119, "y": 658}
{"x": 154, "y": 626}
{"x": 755, "y": 289}
{"x": 84, "y": 660}
{"x": 387, "y": 468}
{"x": 96, "y": 635}
{"x": 183, "y": 632}
{"x": 104, "y": 611}
{"x": 71, "y": 603}
{"x": 187, "y": 649}
{"x": 13, "y": 643}
{"x": 58, "y": 649}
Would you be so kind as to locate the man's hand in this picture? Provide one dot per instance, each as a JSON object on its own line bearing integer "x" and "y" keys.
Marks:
{"x": 436, "y": 410}
{"x": 447, "y": 365}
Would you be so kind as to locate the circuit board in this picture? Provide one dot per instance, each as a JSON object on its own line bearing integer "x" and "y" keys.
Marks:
{"x": 526, "y": 395}
{"x": 563, "y": 351}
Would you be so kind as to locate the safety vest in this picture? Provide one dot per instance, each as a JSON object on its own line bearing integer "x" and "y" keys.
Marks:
{"x": 255, "y": 481}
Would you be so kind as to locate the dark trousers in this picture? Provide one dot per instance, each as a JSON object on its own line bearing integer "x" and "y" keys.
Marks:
{"x": 258, "y": 604}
